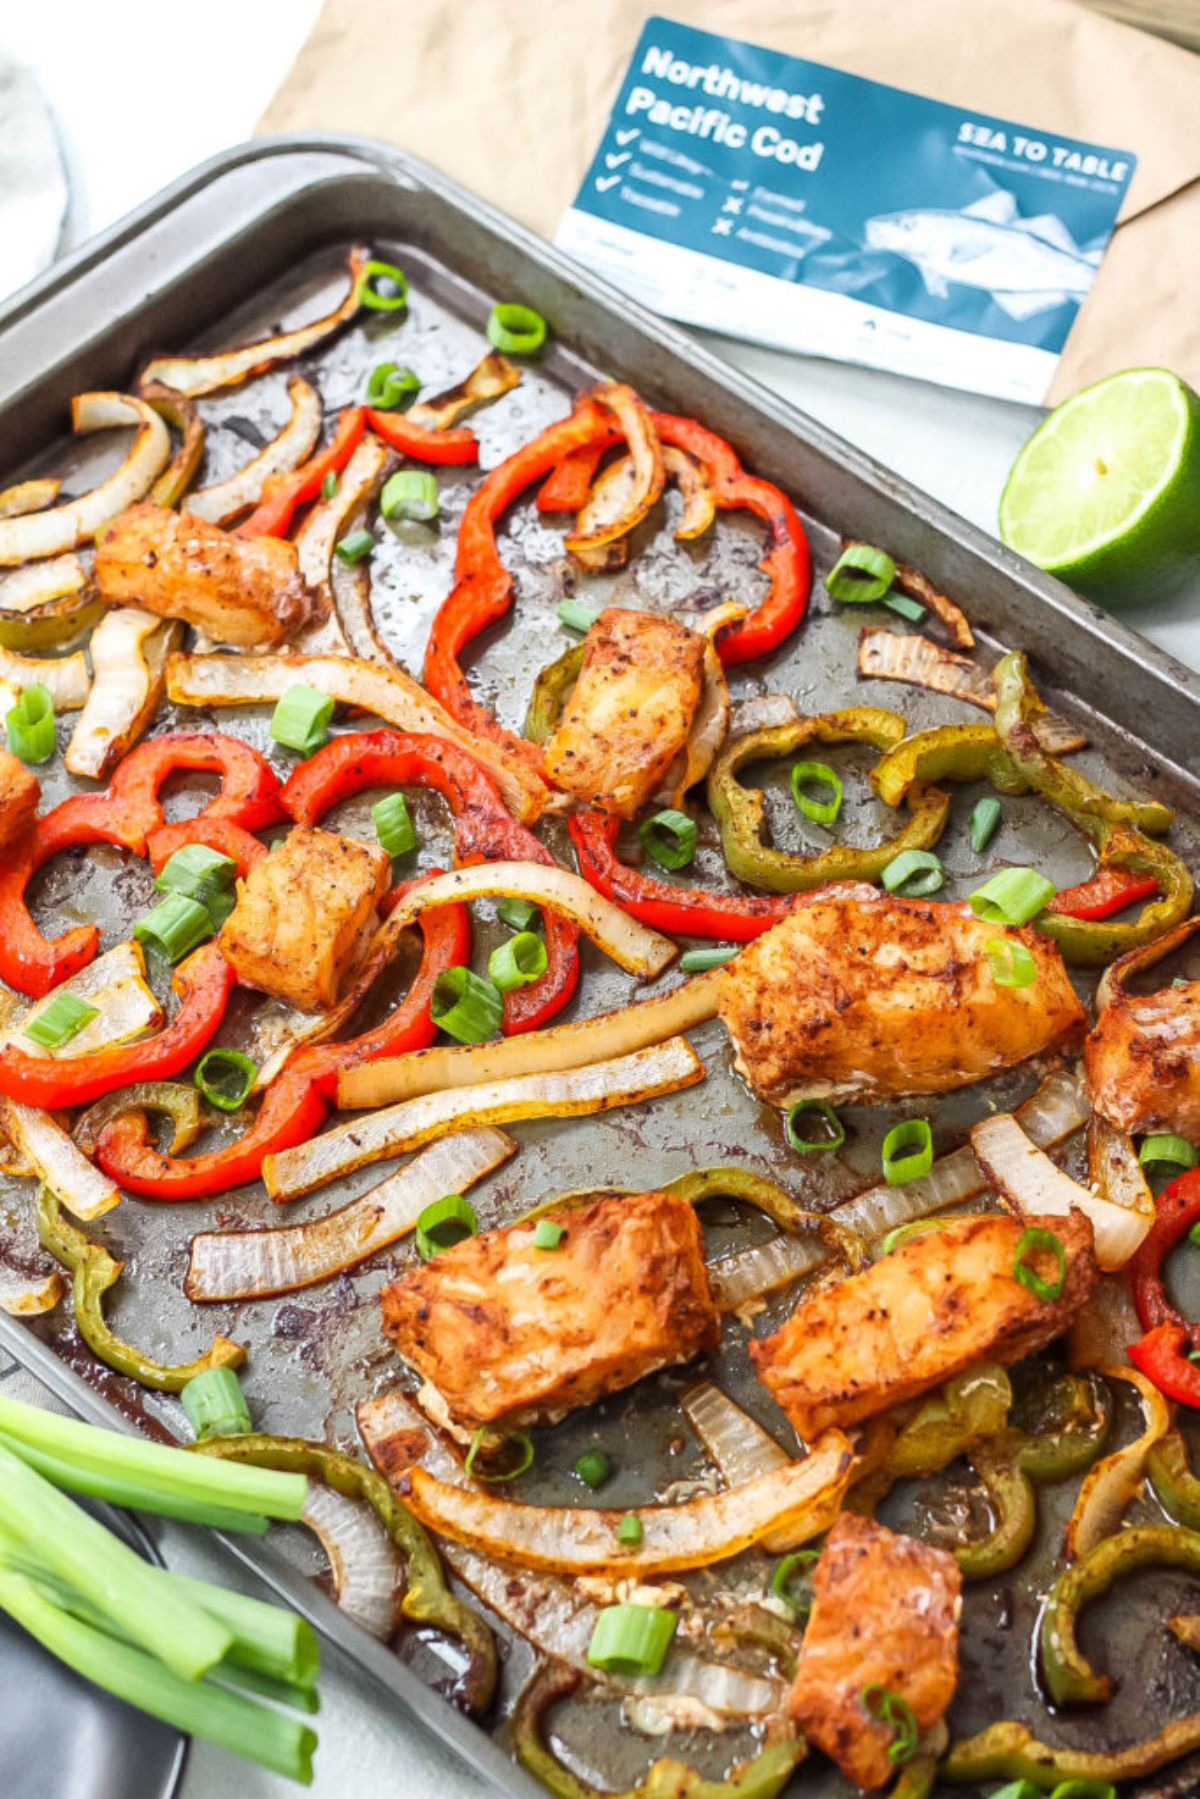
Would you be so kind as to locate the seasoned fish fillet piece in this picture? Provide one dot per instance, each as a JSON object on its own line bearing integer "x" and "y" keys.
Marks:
{"x": 926, "y": 1312}
{"x": 630, "y": 712}
{"x": 245, "y": 591}
{"x": 19, "y": 795}
{"x": 304, "y": 914}
{"x": 511, "y": 1333}
{"x": 860, "y": 995}
{"x": 885, "y": 1614}
{"x": 1143, "y": 1061}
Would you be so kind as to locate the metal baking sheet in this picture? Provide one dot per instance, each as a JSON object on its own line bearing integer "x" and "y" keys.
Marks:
{"x": 255, "y": 239}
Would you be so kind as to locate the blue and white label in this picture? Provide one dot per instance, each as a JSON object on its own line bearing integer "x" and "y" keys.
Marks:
{"x": 777, "y": 200}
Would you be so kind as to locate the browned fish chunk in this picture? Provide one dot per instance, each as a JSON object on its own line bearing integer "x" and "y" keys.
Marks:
{"x": 1143, "y": 1061}
{"x": 885, "y": 1614}
{"x": 511, "y": 1333}
{"x": 926, "y": 1312}
{"x": 19, "y": 795}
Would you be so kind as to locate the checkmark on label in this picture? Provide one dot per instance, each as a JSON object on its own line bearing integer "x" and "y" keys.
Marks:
{"x": 627, "y": 137}
{"x": 614, "y": 162}
{"x": 604, "y": 182}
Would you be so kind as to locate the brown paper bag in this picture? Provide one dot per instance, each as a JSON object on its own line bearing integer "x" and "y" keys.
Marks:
{"x": 512, "y": 100}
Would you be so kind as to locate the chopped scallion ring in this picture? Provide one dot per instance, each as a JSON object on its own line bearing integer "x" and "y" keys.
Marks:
{"x": 822, "y": 812}
{"x": 576, "y": 616}
{"x": 1084, "y": 1787}
{"x": 886, "y": 1707}
{"x": 547, "y": 1234}
{"x": 670, "y": 838}
{"x": 412, "y": 493}
{"x": 515, "y": 330}
{"x": 355, "y": 546}
{"x": 57, "y": 1023}
{"x": 519, "y": 1438}
{"x": 215, "y": 1405}
{"x": 329, "y": 486}
{"x": 1012, "y": 965}
{"x": 631, "y": 1639}
{"x": 1033, "y": 1239}
{"x": 30, "y": 725}
{"x": 225, "y": 1077}
{"x": 594, "y": 1467}
{"x": 696, "y": 961}
{"x": 393, "y": 826}
{"x": 300, "y": 721}
{"x": 907, "y": 1151}
{"x": 204, "y": 875}
{"x": 914, "y": 874}
{"x": 796, "y": 1593}
{"x": 175, "y": 927}
{"x": 518, "y": 962}
{"x": 443, "y": 1224}
{"x": 517, "y": 914}
{"x": 1013, "y": 896}
{"x": 861, "y": 574}
{"x": 383, "y": 287}
{"x": 629, "y": 1531}
{"x": 466, "y": 1007}
{"x": 390, "y": 388}
{"x": 984, "y": 821}
{"x": 907, "y": 607}
{"x": 808, "y": 1146}
{"x": 1169, "y": 1151}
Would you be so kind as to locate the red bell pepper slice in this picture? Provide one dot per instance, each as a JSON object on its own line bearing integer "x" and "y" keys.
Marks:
{"x": 567, "y": 487}
{"x": 484, "y": 832}
{"x": 220, "y": 834}
{"x": 203, "y": 984}
{"x": 297, "y": 1102}
{"x": 681, "y": 911}
{"x": 1177, "y": 1210}
{"x": 1110, "y": 890}
{"x": 272, "y": 517}
{"x": 1161, "y": 1356}
{"x": 450, "y": 448}
{"x": 250, "y": 788}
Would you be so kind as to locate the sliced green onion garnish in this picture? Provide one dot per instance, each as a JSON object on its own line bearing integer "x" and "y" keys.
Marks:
{"x": 518, "y": 914}
{"x": 443, "y": 1224}
{"x": 594, "y": 1468}
{"x": 914, "y": 874}
{"x": 30, "y": 725}
{"x": 383, "y": 287}
{"x": 861, "y": 573}
{"x": 670, "y": 838}
{"x": 216, "y": 1405}
{"x": 518, "y": 962}
{"x": 1036, "y": 1238}
{"x": 521, "y": 1441}
{"x": 58, "y": 1022}
{"x": 907, "y": 1151}
{"x": 806, "y": 1146}
{"x": 547, "y": 1234}
{"x": 390, "y": 388}
{"x": 203, "y": 875}
{"x": 329, "y": 486}
{"x": 889, "y": 1708}
{"x": 393, "y": 826}
{"x": 466, "y": 1007}
{"x": 1084, "y": 1786}
{"x": 629, "y": 1531}
{"x": 631, "y": 1639}
{"x": 226, "y": 1077}
{"x": 413, "y": 493}
{"x": 300, "y": 721}
{"x": 1168, "y": 1150}
{"x": 822, "y": 812}
{"x": 1012, "y": 965}
{"x": 984, "y": 820}
{"x": 355, "y": 546}
{"x": 1023, "y": 1789}
{"x": 695, "y": 961}
{"x": 906, "y": 606}
{"x": 795, "y": 1593}
{"x": 515, "y": 330}
{"x": 1013, "y": 896}
{"x": 905, "y": 1233}
{"x": 175, "y": 926}
{"x": 576, "y": 616}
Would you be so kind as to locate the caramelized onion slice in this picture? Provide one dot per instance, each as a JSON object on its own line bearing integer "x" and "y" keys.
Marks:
{"x": 736, "y": 1443}
{"x": 29, "y": 496}
{"x": 696, "y": 491}
{"x": 751, "y": 1273}
{"x": 195, "y": 375}
{"x": 129, "y": 661}
{"x": 65, "y": 678}
{"x": 624, "y": 1081}
{"x": 184, "y": 465}
{"x": 1111, "y": 1485}
{"x": 64, "y": 527}
{"x": 614, "y": 507}
{"x": 894, "y": 656}
{"x": 489, "y": 379}
{"x": 29, "y": 1295}
{"x": 1031, "y": 1183}
{"x": 327, "y": 523}
{"x": 115, "y": 983}
{"x": 41, "y": 582}
{"x": 226, "y": 500}
{"x": 49, "y": 1151}
{"x": 364, "y": 1562}
{"x": 918, "y": 586}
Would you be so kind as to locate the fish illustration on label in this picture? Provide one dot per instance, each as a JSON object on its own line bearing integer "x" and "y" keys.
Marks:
{"x": 1026, "y": 265}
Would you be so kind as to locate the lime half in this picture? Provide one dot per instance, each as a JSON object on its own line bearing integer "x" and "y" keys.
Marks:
{"x": 1106, "y": 493}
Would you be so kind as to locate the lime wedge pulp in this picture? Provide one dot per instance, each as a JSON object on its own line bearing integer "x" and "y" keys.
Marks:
{"x": 1106, "y": 493}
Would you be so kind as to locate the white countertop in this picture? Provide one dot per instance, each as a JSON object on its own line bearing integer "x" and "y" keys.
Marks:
{"x": 141, "y": 93}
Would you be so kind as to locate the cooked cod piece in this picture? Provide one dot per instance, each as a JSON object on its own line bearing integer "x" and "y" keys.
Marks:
{"x": 304, "y": 915}
{"x": 885, "y": 1614}
{"x": 244, "y": 591}
{"x": 926, "y": 1312}
{"x": 509, "y": 1333}
{"x": 19, "y": 795}
{"x": 1143, "y": 1061}
{"x": 858, "y": 995}
{"x": 630, "y": 712}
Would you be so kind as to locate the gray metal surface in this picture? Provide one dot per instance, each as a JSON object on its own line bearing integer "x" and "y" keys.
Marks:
{"x": 257, "y": 238}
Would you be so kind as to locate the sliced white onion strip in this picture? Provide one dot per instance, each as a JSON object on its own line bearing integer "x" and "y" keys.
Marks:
{"x": 129, "y": 660}
{"x": 1114, "y": 1169}
{"x": 1111, "y": 1485}
{"x": 709, "y": 725}
{"x": 195, "y": 375}
{"x": 1033, "y": 1185}
{"x": 363, "y": 1560}
{"x": 60, "y": 528}
{"x": 752, "y": 1273}
{"x": 624, "y": 1081}
{"x": 65, "y": 678}
{"x": 29, "y": 1295}
{"x": 493, "y": 376}
{"x": 553, "y": 1050}
{"x": 388, "y": 693}
{"x": 326, "y": 524}
{"x": 82, "y": 1189}
{"x": 802, "y": 1499}
{"x": 252, "y": 1264}
{"x": 894, "y": 656}
{"x": 29, "y": 496}
{"x": 42, "y": 582}
{"x": 226, "y": 500}
{"x": 115, "y": 983}
{"x": 761, "y": 712}
{"x": 736, "y": 1443}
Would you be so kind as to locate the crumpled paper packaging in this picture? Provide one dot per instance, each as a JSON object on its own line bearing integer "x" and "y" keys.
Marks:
{"x": 511, "y": 101}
